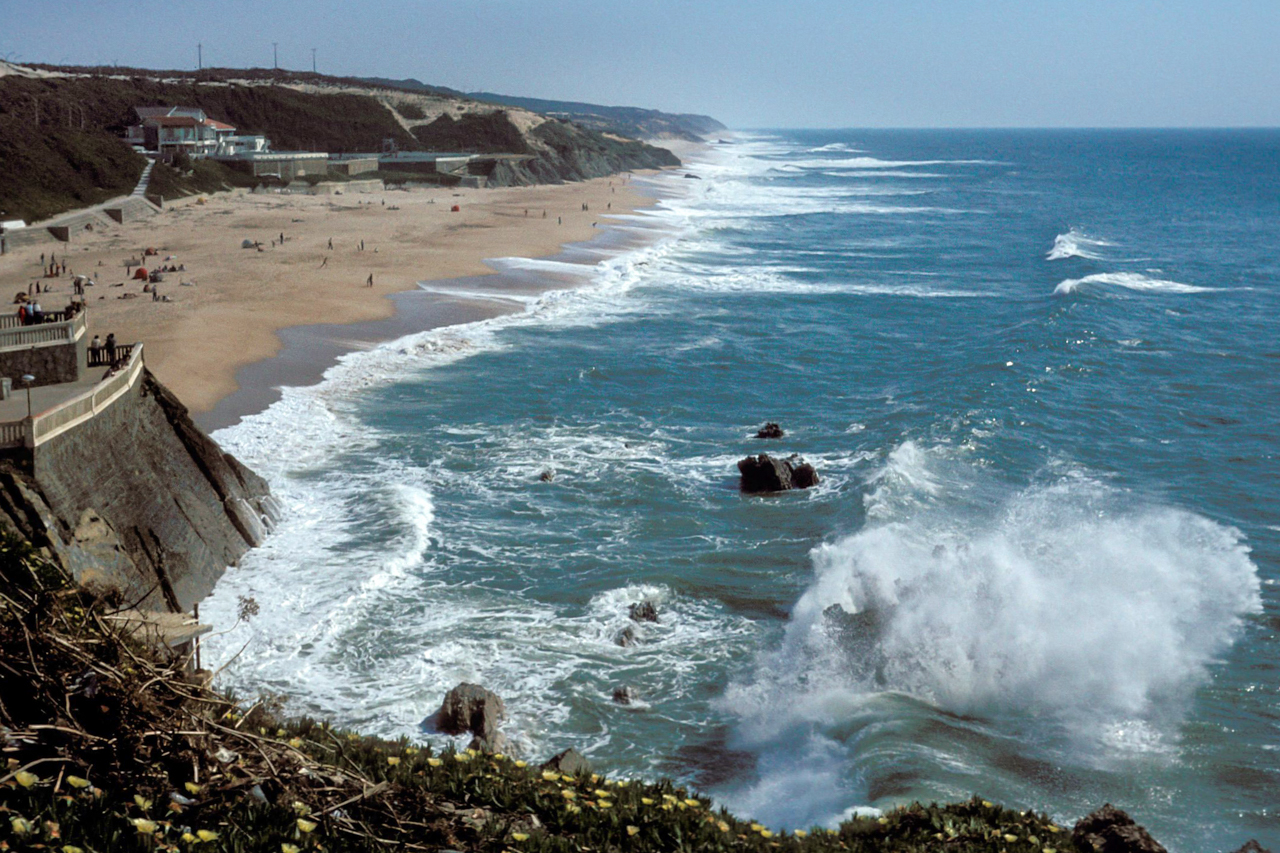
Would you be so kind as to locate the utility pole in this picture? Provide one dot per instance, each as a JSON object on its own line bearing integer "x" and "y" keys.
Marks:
{"x": 274, "y": 55}
{"x": 199, "y": 56}
{"x": 313, "y": 60}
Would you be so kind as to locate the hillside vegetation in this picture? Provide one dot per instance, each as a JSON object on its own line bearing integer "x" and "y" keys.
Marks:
{"x": 60, "y": 129}
{"x": 110, "y": 747}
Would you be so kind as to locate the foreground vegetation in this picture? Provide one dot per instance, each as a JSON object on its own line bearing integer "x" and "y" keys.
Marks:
{"x": 109, "y": 747}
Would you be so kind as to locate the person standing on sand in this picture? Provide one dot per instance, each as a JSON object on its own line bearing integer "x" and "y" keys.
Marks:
{"x": 370, "y": 284}
{"x": 362, "y": 245}
{"x": 325, "y": 262}
{"x": 330, "y": 244}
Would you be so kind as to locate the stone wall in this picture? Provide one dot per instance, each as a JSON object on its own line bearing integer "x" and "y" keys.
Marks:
{"x": 50, "y": 365}
{"x": 137, "y": 501}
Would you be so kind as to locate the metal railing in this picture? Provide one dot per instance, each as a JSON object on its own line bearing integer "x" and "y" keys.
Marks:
{"x": 101, "y": 356}
{"x": 34, "y": 431}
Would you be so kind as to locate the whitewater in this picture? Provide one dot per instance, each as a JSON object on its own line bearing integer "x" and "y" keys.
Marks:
{"x": 1038, "y": 375}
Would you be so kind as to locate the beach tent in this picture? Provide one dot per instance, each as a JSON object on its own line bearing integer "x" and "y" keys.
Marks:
{"x": 140, "y": 274}
{"x": 246, "y": 244}
{"x": 455, "y": 208}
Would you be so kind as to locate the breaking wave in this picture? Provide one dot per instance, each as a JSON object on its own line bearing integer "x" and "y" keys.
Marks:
{"x": 1076, "y": 244}
{"x": 1128, "y": 281}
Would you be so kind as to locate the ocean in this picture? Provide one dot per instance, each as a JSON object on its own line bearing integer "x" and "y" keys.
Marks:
{"x": 1039, "y": 376}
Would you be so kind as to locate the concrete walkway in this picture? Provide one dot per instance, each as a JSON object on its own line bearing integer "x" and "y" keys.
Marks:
{"x": 141, "y": 188}
{"x": 46, "y": 397}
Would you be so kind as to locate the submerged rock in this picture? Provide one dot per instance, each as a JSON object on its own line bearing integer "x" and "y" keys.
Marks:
{"x": 770, "y": 430}
{"x": 626, "y": 695}
{"x": 1110, "y": 830}
{"x": 765, "y": 473}
{"x": 547, "y": 475}
{"x": 626, "y": 637}
{"x": 469, "y": 708}
{"x": 644, "y": 611}
{"x": 569, "y": 762}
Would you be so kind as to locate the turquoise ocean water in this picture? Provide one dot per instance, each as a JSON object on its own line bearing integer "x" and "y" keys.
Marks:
{"x": 1039, "y": 373}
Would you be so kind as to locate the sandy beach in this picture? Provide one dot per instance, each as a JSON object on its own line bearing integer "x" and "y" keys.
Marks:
{"x": 236, "y": 300}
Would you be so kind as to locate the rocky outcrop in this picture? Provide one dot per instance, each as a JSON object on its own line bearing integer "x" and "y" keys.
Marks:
{"x": 137, "y": 503}
{"x": 1110, "y": 830}
{"x": 472, "y": 708}
{"x": 770, "y": 430}
{"x": 625, "y": 695}
{"x": 570, "y": 762}
{"x": 1252, "y": 846}
{"x": 643, "y": 611}
{"x": 765, "y": 473}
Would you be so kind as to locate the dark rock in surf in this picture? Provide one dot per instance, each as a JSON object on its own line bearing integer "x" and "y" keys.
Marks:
{"x": 764, "y": 473}
{"x": 570, "y": 762}
{"x": 1252, "y": 846}
{"x": 469, "y": 708}
{"x": 644, "y": 611}
{"x": 547, "y": 475}
{"x": 626, "y": 637}
{"x": 692, "y": 176}
{"x": 626, "y": 695}
{"x": 804, "y": 476}
{"x": 1110, "y": 830}
{"x": 770, "y": 430}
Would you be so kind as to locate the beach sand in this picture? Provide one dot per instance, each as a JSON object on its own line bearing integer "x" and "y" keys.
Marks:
{"x": 240, "y": 299}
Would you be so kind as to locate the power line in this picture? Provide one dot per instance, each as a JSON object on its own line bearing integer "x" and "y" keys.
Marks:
{"x": 275, "y": 57}
{"x": 313, "y": 60}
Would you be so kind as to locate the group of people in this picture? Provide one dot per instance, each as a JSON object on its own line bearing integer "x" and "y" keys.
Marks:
{"x": 97, "y": 348}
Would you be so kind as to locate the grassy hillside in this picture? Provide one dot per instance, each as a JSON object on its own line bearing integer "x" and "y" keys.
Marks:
{"x": 48, "y": 169}
{"x": 628, "y": 121}
{"x": 112, "y": 748}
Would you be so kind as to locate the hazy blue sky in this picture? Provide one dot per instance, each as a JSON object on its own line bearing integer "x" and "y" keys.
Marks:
{"x": 808, "y": 63}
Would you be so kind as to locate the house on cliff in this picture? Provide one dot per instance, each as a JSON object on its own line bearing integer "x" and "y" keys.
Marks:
{"x": 168, "y": 130}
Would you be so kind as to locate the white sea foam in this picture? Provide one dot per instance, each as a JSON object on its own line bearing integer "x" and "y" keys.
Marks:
{"x": 1069, "y": 602}
{"x": 1076, "y": 244}
{"x": 1129, "y": 281}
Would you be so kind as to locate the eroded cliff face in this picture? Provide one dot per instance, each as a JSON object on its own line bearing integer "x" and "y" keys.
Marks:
{"x": 137, "y": 500}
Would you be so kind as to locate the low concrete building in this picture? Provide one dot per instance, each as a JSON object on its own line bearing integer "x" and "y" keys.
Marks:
{"x": 348, "y": 165}
{"x": 285, "y": 165}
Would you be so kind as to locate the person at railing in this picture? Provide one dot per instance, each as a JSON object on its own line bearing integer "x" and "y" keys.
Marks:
{"x": 111, "y": 349}
{"x": 37, "y": 313}
{"x": 95, "y": 349}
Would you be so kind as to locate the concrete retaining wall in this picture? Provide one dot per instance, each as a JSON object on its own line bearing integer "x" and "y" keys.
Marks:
{"x": 50, "y": 365}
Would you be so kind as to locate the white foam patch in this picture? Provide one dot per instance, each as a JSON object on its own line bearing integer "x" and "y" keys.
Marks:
{"x": 1076, "y": 244}
{"x": 1128, "y": 281}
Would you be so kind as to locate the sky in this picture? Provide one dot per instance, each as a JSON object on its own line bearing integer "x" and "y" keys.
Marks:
{"x": 749, "y": 63}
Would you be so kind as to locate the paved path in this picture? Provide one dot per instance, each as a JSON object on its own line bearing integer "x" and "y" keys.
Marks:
{"x": 141, "y": 188}
{"x": 46, "y": 396}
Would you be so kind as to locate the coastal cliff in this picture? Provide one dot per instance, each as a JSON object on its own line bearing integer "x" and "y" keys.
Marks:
{"x": 136, "y": 503}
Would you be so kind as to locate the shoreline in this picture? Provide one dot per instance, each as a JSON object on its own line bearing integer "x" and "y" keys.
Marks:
{"x": 231, "y": 308}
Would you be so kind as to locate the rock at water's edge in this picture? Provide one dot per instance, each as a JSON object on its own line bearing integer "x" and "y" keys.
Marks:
{"x": 1110, "y": 830}
{"x": 770, "y": 430}
{"x": 626, "y": 637}
{"x": 469, "y": 708}
{"x": 644, "y": 611}
{"x": 1252, "y": 846}
{"x": 625, "y": 695}
{"x": 569, "y": 762}
{"x": 764, "y": 473}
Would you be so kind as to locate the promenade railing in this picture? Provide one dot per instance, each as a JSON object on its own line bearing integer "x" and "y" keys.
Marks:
{"x": 61, "y": 331}
{"x": 34, "y": 431}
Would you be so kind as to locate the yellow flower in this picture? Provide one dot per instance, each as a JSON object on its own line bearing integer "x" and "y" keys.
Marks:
{"x": 295, "y": 742}
{"x": 756, "y": 827}
{"x": 572, "y": 809}
{"x": 305, "y": 825}
{"x": 605, "y": 804}
{"x": 1031, "y": 839}
{"x": 146, "y": 827}
{"x": 646, "y": 801}
{"x": 188, "y": 837}
{"x": 549, "y": 776}
{"x": 764, "y": 833}
{"x": 206, "y": 834}
{"x": 1010, "y": 838}
{"x": 520, "y": 836}
{"x": 567, "y": 778}
{"x": 883, "y": 820}
{"x": 619, "y": 784}
{"x": 600, "y": 792}
{"x": 412, "y": 750}
{"x": 26, "y": 779}
{"x": 434, "y": 762}
{"x": 633, "y": 830}
{"x": 522, "y": 764}
{"x": 71, "y": 848}
{"x": 301, "y": 808}
{"x": 473, "y": 752}
{"x": 666, "y": 807}
{"x": 987, "y": 803}
{"x": 1048, "y": 850}
{"x": 1052, "y": 828}
{"x": 288, "y": 848}
{"x": 461, "y": 757}
{"x": 393, "y": 760}
{"x": 77, "y": 782}
{"x": 143, "y": 802}
{"x": 692, "y": 803}
{"x": 568, "y": 795}
{"x": 800, "y": 833}
{"x": 723, "y": 827}
{"x": 499, "y": 756}
{"x": 353, "y": 736}
{"x": 192, "y": 788}
{"x": 668, "y": 798}
{"x": 20, "y": 825}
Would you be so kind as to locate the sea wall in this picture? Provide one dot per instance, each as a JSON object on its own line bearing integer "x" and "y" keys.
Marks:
{"x": 137, "y": 501}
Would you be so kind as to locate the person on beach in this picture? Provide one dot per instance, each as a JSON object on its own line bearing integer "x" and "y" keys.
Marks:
{"x": 325, "y": 262}
{"x": 37, "y": 313}
{"x": 370, "y": 284}
{"x": 331, "y": 244}
{"x": 281, "y": 238}
{"x": 94, "y": 346}
{"x": 111, "y": 349}
{"x": 362, "y": 245}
